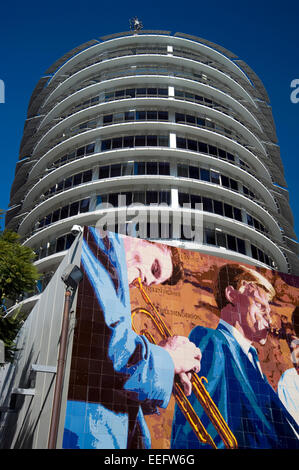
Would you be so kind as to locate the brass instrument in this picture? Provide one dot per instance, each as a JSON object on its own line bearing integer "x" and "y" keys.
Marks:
{"x": 198, "y": 388}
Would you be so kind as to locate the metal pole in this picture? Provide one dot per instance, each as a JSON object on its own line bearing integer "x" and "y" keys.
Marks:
{"x": 60, "y": 374}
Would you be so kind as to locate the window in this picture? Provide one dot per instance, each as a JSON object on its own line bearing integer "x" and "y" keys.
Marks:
{"x": 152, "y": 197}
{"x": 108, "y": 119}
{"x": 48, "y": 219}
{"x": 218, "y": 207}
{"x": 228, "y": 211}
{"x": 128, "y": 141}
{"x": 231, "y": 243}
{"x": 139, "y": 168}
{"x": 234, "y": 184}
{"x": 163, "y": 140}
{"x": 163, "y": 115}
{"x": 60, "y": 244}
{"x": 210, "y": 237}
{"x": 74, "y": 208}
{"x": 152, "y": 115}
{"x": 120, "y": 94}
{"x": 213, "y": 150}
{"x": 64, "y": 212}
{"x": 80, "y": 152}
{"x": 222, "y": 153}
{"x": 192, "y": 145}
{"x": 129, "y": 115}
{"x": 249, "y": 220}
{"x": 194, "y": 172}
{"x": 183, "y": 199}
{"x": 225, "y": 181}
{"x": 152, "y": 168}
{"x": 69, "y": 240}
{"x": 190, "y": 119}
{"x": 55, "y": 216}
{"x": 140, "y": 115}
{"x": 202, "y": 148}
{"x": 130, "y": 92}
{"x": 106, "y": 145}
{"x": 77, "y": 179}
{"x": 164, "y": 168}
{"x": 68, "y": 182}
{"x": 204, "y": 174}
{"x": 104, "y": 172}
{"x": 140, "y": 141}
{"x": 113, "y": 199}
{"x": 237, "y": 214}
{"x": 152, "y": 140}
{"x": 115, "y": 170}
{"x": 195, "y": 199}
{"x": 183, "y": 170}
{"x": 241, "y": 246}
{"x": 164, "y": 197}
{"x": 127, "y": 169}
{"x": 221, "y": 239}
{"x": 181, "y": 143}
{"x": 117, "y": 143}
{"x": 163, "y": 91}
{"x": 215, "y": 177}
{"x": 87, "y": 176}
{"x": 207, "y": 204}
{"x": 84, "y": 205}
{"x": 139, "y": 197}
{"x": 200, "y": 122}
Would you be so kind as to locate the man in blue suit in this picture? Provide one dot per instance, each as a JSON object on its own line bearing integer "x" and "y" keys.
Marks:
{"x": 130, "y": 377}
{"x": 236, "y": 383}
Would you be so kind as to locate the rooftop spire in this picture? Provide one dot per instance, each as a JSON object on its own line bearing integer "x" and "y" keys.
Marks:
{"x": 135, "y": 24}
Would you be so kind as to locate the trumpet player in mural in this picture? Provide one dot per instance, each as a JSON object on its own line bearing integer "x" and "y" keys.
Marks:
{"x": 137, "y": 375}
{"x": 230, "y": 363}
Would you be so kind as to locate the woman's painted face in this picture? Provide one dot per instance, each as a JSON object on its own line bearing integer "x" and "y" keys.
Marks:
{"x": 152, "y": 263}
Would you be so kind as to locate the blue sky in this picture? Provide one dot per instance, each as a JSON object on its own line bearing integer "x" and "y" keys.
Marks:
{"x": 35, "y": 34}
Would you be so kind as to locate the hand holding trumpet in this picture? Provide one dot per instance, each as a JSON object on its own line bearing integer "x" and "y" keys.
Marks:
{"x": 186, "y": 358}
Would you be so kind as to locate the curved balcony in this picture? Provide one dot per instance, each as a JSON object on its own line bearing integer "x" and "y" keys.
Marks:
{"x": 139, "y": 60}
{"x": 166, "y": 127}
{"x": 126, "y": 183}
{"x": 145, "y": 154}
{"x": 145, "y": 39}
{"x": 233, "y": 227}
{"x": 146, "y": 103}
{"x": 129, "y": 81}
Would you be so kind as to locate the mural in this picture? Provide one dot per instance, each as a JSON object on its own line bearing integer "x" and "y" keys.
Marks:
{"x": 174, "y": 349}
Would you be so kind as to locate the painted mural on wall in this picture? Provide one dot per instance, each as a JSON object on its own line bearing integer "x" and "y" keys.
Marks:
{"x": 177, "y": 349}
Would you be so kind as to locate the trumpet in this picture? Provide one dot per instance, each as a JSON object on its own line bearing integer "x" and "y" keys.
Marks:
{"x": 198, "y": 387}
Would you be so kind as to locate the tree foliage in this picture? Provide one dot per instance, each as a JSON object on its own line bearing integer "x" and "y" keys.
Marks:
{"x": 18, "y": 275}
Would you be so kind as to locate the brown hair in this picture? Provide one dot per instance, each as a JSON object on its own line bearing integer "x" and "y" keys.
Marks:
{"x": 233, "y": 275}
{"x": 177, "y": 264}
{"x": 177, "y": 267}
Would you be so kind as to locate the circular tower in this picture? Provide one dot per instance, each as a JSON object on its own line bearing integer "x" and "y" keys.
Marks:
{"x": 170, "y": 127}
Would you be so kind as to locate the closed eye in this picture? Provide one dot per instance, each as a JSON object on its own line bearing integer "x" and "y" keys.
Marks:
{"x": 156, "y": 269}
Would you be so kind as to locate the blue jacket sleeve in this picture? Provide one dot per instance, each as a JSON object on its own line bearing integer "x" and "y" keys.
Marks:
{"x": 148, "y": 369}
